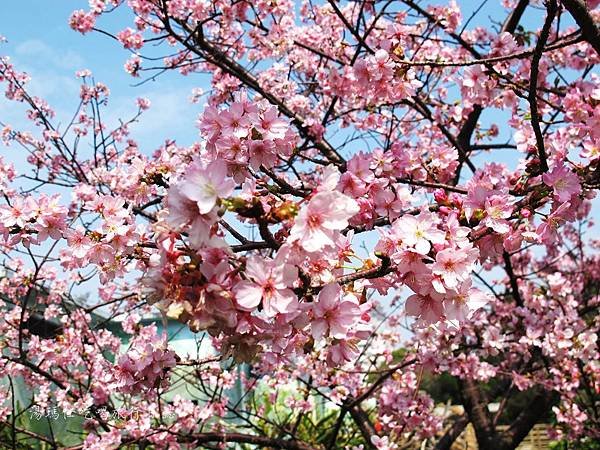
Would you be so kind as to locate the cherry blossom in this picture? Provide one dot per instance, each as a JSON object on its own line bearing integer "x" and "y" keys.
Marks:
{"x": 205, "y": 184}
{"x": 333, "y": 315}
{"x": 378, "y": 200}
{"x": 564, "y": 183}
{"x": 270, "y": 284}
{"x": 418, "y": 232}
{"x": 325, "y": 214}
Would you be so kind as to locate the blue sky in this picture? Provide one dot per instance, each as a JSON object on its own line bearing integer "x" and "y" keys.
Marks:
{"x": 41, "y": 43}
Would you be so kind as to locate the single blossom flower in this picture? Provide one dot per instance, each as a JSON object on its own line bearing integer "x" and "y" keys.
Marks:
{"x": 564, "y": 182}
{"x": 418, "y": 232}
{"x": 460, "y": 304}
{"x": 333, "y": 313}
{"x": 454, "y": 265}
{"x": 316, "y": 225}
{"x": 427, "y": 308}
{"x": 547, "y": 231}
{"x": 234, "y": 121}
{"x": 206, "y": 184}
{"x": 269, "y": 283}
{"x": 498, "y": 209}
{"x": 271, "y": 125}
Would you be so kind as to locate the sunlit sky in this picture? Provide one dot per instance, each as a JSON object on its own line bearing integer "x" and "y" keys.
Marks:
{"x": 41, "y": 43}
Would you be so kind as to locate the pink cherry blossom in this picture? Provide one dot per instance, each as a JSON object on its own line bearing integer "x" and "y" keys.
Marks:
{"x": 333, "y": 315}
{"x": 454, "y": 265}
{"x": 497, "y": 209}
{"x": 460, "y": 304}
{"x": 82, "y": 21}
{"x": 271, "y": 125}
{"x": 234, "y": 121}
{"x": 325, "y": 214}
{"x": 564, "y": 183}
{"x": 269, "y": 284}
{"x": 418, "y": 232}
{"x": 427, "y": 308}
{"x": 204, "y": 185}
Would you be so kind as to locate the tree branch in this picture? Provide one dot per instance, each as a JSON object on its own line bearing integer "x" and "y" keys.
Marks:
{"x": 476, "y": 408}
{"x": 514, "y": 286}
{"x": 589, "y": 29}
{"x": 533, "y": 81}
{"x": 445, "y": 443}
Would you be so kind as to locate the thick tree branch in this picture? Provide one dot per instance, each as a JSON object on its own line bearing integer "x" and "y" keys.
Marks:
{"x": 533, "y": 83}
{"x": 365, "y": 426}
{"x": 476, "y": 407}
{"x": 525, "y": 421}
{"x": 376, "y": 272}
{"x": 452, "y": 434}
{"x": 581, "y": 14}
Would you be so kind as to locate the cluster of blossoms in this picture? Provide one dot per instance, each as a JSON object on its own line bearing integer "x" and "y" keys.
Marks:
{"x": 442, "y": 284}
{"x": 208, "y": 290}
{"x": 146, "y": 363}
{"x": 109, "y": 245}
{"x": 32, "y": 221}
{"x": 247, "y": 134}
{"x": 329, "y": 127}
{"x": 379, "y": 76}
{"x": 402, "y": 407}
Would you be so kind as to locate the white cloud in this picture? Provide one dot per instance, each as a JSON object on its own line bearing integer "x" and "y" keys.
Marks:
{"x": 42, "y": 52}
{"x": 171, "y": 116}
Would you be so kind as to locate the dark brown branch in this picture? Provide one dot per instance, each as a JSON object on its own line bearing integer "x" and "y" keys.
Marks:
{"x": 349, "y": 26}
{"x": 265, "y": 233}
{"x": 234, "y": 232}
{"x": 476, "y": 407}
{"x": 589, "y": 29}
{"x": 525, "y": 421}
{"x": 513, "y": 19}
{"x": 249, "y": 246}
{"x": 514, "y": 286}
{"x": 492, "y": 146}
{"x": 562, "y": 42}
{"x": 376, "y": 272}
{"x": 284, "y": 185}
{"x": 446, "y": 441}
{"x": 428, "y": 184}
{"x": 533, "y": 81}
{"x": 336, "y": 429}
{"x": 420, "y": 106}
{"x": 365, "y": 426}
